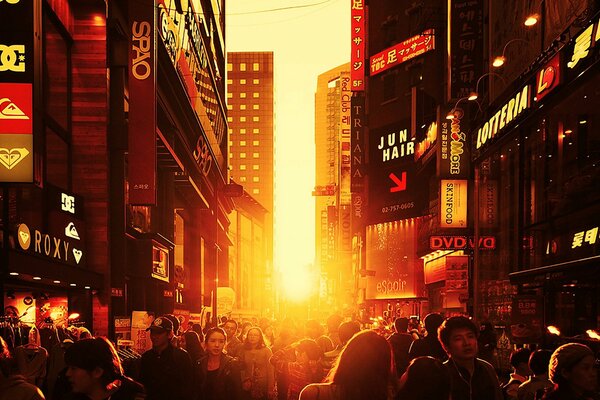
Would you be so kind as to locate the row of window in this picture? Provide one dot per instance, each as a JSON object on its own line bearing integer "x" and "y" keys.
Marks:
{"x": 244, "y": 143}
{"x": 244, "y": 167}
{"x": 244, "y": 119}
{"x": 244, "y": 130}
{"x": 244, "y": 81}
{"x": 244, "y": 107}
{"x": 244, "y": 155}
{"x": 244, "y": 66}
{"x": 244, "y": 95}
{"x": 245, "y": 179}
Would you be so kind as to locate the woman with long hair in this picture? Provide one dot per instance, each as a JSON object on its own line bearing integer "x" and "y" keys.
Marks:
{"x": 190, "y": 342}
{"x": 426, "y": 378}
{"x": 258, "y": 375}
{"x": 219, "y": 374}
{"x": 364, "y": 370}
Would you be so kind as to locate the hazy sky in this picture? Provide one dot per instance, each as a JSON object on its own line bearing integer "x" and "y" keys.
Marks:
{"x": 307, "y": 37}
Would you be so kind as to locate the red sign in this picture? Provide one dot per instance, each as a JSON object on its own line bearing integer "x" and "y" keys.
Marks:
{"x": 402, "y": 52}
{"x": 142, "y": 105}
{"x": 461, "y": 242}
{"x": 547, "y": 78}
{"x": 16, "y": 113}
{"x": 399, "y": 183}
{"x": 359, "y": 34}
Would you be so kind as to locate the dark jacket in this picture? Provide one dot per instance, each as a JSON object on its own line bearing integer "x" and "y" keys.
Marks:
{"x": 482, "y": 385}
{"x": 128, "y": 390}
{"x": 566, "y": 394}
{"x": 15, "y": 387}
{"x": 228, "y": 379}
{"x": 167, "y": 375}
{"x": 400, "y": 343}
{"x": 428, "y": 346}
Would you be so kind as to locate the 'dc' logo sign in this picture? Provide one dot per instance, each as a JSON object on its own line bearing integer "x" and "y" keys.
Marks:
{"x": 24, "y": 236}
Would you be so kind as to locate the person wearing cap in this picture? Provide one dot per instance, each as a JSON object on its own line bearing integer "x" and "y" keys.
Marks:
{"x": 166, "y": 371}
{"x": 572, "y": 369}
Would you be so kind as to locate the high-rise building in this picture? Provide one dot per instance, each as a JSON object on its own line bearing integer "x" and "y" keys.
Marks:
{"x": 251, "y": 142}
{"x": 333, "y": 239}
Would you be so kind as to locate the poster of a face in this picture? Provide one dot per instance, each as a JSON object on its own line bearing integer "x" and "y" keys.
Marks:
{"x": 21, "y": 306}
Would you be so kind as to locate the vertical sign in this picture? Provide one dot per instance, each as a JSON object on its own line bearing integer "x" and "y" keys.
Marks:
{"x": 453, "y": 150}
{"x": 357, "y": 142}
{"x": 359, "y": 35}
{"x": 142, "y": 104}
{"x": 453, "y": 203}
{"x": 465, "y": 33}
{"x": 16, "y": 90}
{"x": 345, "y": 139}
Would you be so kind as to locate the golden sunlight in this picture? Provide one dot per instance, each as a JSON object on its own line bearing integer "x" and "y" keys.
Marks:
{"x": 297, "y": 284}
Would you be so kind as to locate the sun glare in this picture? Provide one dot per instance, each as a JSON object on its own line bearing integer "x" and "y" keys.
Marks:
{"x": 297, "y": 285}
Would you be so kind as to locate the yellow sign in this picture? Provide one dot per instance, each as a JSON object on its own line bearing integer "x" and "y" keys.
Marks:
{"x": 16, "y": 158}
{"x": 453, "y": 203}
{"x": 24, "y": 236}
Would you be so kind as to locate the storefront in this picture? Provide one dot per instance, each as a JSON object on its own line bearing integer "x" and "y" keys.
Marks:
{"x": 536, "y": 177}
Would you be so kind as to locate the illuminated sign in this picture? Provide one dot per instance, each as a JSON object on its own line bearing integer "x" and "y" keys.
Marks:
{"x": 357, "y": 142}
{"x": 427, "y": 142}
{"x": 359, "y": 35}
{"x": 586, "y": 237}
{"x": 453, "y": 203}
{"x": 454, "y": 151}
{"x": 504, "y": 116}
{"x": 547, "y": 78}
{"x": 345, "y": 140}
{"x": 395, "y": 145}
{"x": 402, "y": 52}
{"x": 461, "y": 242}
{"x": 327, "y": 190}
{"x": 160, "y": 263}
{"x": 16, "y": 158}
{"x": 48, "y": 245}
{"x": 583, "y": 44}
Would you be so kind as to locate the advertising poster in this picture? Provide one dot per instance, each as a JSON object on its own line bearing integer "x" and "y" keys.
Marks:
{"x": 140, "y": 321}
{"x": 21, "y": 306}
{"x": 527, "y": 318}
{"x": 54, "y": 307}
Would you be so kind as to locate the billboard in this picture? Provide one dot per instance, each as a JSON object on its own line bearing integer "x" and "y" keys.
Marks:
{"x": 402, "y": 52}
{"x": 394, "y": 192}
{"x": 142, "y": 104}
{"x": 17, "y": 60}
{"x": 465, "y": 33}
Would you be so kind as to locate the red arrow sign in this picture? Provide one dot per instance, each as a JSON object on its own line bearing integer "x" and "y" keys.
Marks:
{"x": 400, "y": 183}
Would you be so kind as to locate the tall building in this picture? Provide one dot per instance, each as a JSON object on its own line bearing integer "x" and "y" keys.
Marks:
{"x": 332, "y": 187}
{"x": 251, "y": 141}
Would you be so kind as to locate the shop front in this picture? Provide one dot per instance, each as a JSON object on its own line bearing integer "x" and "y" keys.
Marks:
{"x": 536, "y": 177}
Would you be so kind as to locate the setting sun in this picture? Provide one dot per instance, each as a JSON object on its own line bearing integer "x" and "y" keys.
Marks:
{"x": 297, "y": 284}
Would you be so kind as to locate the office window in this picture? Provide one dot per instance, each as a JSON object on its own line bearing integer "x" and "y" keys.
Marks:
{"x": 255, "y": 191}
{"x": 229, "y": 67}
{"x": 255, "y": 119}
{"x": 242, "y": 155}
{"x": 242, "y": 167}
{"x": 255, "y": 66}
{"x": 256, "y": 95}
{"x": 230, "y": 81}
{"x": 230, "y": 130}
{"x": 242, "y": 179}
{"x": 242, "y": 106}
{"x": 242, "y": 81}
{"x": 255, "y": 130}
{"x": 256, "y": 81}
{"x": 230, "y": 155}
{"x": 242, "y": 119}
{"x": 255, "y": 143}
{"x": 255, "y": 167}
{"x": 255, "y": 155}
{"x": 231, "y": 142}
{"x": 229, "y": 119}
{"x": 229, "y": 107}
{"x": 242, "y": 130}
{"x": 242, "y": 95}
{"x": 242, "y": 66}
{"x": 255, "y": 106}
{"x": 255, "y": 179}
{"x": 229, "y": 95}
{"x": 242, "y": 142}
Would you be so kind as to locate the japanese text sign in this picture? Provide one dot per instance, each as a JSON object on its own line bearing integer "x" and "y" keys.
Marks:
{"x": 402, "y": 52}
{"x": 359, "y": 35}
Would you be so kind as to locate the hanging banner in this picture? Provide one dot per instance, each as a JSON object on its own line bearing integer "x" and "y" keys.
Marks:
{"x": 16, "y": 90}
{"x": 142, "y": 104}
{"x": 402, "y": 52}
{"x": 359, "y": 35}
{"x": 465, "y": 33}
{"x": 345, "y": 140}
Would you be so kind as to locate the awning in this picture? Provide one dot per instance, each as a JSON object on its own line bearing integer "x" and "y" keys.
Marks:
{"x": 576, "y": 269}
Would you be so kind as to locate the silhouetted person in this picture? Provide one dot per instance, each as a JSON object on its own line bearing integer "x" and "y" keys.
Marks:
{"x": 429, "y": 345}
{"x": 535, "y": 387}
{"x": 400, "y": 342}
{"x": 14, "y": 387}
{"x": 573, "y": 371}
{"x": 519, "y": 359}
{"x": 426, "y": 378}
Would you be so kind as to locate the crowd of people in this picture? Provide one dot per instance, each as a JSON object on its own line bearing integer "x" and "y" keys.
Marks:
{"x": 336, "y": 361}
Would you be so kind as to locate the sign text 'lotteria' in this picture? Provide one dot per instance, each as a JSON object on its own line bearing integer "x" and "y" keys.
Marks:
{"x": 506, "y": 114}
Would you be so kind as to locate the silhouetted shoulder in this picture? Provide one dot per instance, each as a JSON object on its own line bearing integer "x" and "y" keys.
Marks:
{"x": 319, "y": 391}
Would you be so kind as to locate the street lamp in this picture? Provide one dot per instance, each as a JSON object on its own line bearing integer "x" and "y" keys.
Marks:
{"x": 500, "y": 60}
{"x": 475, "y": 95}
{"x": 452, "y": 113}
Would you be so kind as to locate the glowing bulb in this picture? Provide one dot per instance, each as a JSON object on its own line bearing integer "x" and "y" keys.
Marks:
{"x": 498, "y": 61}
{"x": 593, "y": 334}
{"x": 532, "y": 20}
{"x": 553, "y": 330}
{"x": 473, "y": 96}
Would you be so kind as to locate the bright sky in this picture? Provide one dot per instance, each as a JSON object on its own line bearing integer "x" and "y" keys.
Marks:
{"x": 308, "y": 38}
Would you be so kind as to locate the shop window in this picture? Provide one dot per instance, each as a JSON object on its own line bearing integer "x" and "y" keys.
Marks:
{"x": 242, "y": 142}
{"x": 242, "y": 155}
{"x": 255, "y": 191}
{"x": 255, "y": 130}
{"x": 242, "y": 119}
{"x": 242, "y": 167}
{"x": 242, "y": 95}
{"x": 255, "y": 179}
{"x": 256, "y": 167}
{"x": 242, "y": 130}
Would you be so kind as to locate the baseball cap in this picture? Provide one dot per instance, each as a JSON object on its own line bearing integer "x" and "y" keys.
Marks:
{"x": 161, "y": 323}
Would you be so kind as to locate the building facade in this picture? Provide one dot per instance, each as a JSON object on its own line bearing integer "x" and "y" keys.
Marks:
{"x": 250, "y": 103}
